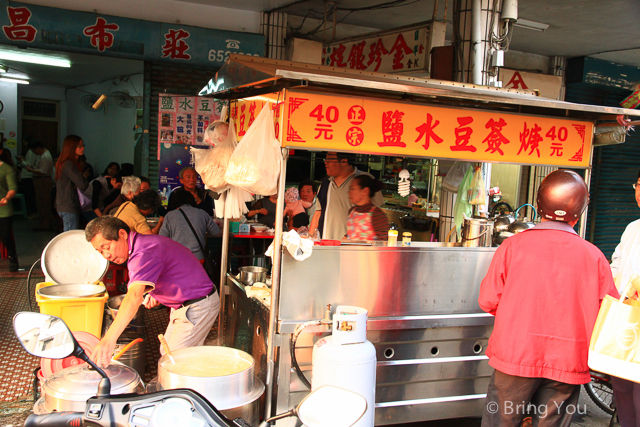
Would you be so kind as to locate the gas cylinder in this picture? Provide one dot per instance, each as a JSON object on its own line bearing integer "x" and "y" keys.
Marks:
{"x": 346, "y": 359}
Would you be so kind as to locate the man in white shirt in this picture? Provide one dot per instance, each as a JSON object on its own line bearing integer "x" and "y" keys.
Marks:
{"x": 43, "y": 184}
{"x": 625, "y": 262}
{"x": 333, "y": 206}
{"x": 26, "y": 180}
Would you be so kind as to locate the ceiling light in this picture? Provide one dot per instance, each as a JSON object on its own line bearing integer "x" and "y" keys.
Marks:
{"x": 530, "y": 25}
{"x": 34, "y": 59}
{"x": 10, "y": 80}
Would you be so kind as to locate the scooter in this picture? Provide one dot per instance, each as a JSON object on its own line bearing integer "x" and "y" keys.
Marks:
{"x": 167, "y": 408}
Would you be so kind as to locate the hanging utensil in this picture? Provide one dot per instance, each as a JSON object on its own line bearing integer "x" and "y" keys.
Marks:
{"x": 127, "y": 347}
{"x": 166, "y": 348}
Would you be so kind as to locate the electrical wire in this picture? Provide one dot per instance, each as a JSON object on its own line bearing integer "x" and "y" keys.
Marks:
{"x": 336, "y": 9}
{"x": 29, "y": 284}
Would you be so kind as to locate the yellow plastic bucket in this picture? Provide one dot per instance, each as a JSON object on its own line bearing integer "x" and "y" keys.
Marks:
{"x": 80, "y": 314}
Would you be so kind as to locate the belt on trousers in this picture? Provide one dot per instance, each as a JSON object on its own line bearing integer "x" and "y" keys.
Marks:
{"x": 191, "y": 301}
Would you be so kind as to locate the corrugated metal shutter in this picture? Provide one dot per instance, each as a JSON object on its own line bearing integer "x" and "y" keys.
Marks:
{"x": 172, "y": 79}
{"x": 612, "y": 206}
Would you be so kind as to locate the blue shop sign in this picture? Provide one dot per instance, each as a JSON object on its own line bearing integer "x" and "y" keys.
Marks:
{"x": 67, "y": 30}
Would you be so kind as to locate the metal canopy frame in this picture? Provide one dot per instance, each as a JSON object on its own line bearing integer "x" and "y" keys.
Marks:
{"x": 245, "y": 76}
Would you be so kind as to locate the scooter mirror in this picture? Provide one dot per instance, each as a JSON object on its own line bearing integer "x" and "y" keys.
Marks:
{"x": 43, "y": 335}
{"x": 331, "y": 406}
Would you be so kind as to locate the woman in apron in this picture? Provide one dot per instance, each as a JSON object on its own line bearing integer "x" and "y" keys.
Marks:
{"x": 366, "y": 221}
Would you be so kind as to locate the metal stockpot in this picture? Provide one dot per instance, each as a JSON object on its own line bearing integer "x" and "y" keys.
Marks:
{"x": 477, "y": 232}
{"x": 237, "y": 393}
{"x": 250, "y": 275}
{"x": 69, "y": 389}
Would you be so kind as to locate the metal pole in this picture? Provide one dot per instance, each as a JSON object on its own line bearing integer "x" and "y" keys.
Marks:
{"x": 224, "y": 258}
{"x": 587, "y": 178}
{"x": 312, "y": 171}
{"x": 275, "y": 285}
{"x": 477, "y": 45}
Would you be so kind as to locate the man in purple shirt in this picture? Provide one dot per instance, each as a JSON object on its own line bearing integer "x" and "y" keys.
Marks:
{"x": 164, "y": 270}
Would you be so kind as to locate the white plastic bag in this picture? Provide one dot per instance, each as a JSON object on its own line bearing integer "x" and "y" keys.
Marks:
{"x": 255, "y": 163}
{"x": 232, "y": 203}
{"x": 212, "y": 163}
{"x": 299, "y": 248}
{"x": 452, "y": 181}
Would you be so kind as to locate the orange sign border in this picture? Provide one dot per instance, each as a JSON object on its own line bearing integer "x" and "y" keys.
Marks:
{"x": 478, "y": 156}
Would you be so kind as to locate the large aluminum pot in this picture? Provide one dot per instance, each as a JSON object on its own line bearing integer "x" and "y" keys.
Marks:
{"x": 250, "y": 275}
{"x": 76, "y": 290}
{"x": 477, "y": 232}
{"x": 232, "y": 394}
{"x": 69, "y": 389}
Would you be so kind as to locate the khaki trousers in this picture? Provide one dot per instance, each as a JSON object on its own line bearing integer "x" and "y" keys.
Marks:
{"x": 189, "y": 326}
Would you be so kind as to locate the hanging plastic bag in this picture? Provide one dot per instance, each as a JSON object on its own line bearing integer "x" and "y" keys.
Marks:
{"x": 211, "y": 163}
{"x": 462, "y": 207}
{"x": 452, "y": 181}
{"x": 477, "y": 191}
{"x": 255, "y": 163}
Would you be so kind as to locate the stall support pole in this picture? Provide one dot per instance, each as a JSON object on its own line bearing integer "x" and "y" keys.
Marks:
{"x": 275, "y": 285}
{"x": 477, "y": 55}
{"x": 587, "y": 178}
{"x": 224, "y": 259}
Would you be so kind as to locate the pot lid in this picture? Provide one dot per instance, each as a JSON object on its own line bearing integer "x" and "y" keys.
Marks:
{"x": 78, "y": 383}
{"x": 69, "y": 258}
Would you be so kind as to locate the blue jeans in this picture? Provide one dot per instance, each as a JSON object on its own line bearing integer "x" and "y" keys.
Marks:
{"x": 70, "y": 220}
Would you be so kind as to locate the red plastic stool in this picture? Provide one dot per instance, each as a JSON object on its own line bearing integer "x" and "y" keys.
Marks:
{"x": 116, "y": 275}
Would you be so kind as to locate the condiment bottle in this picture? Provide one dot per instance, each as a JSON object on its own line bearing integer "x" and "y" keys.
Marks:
{"x": 393, "y": 238}
{"x": 406, "y": 239}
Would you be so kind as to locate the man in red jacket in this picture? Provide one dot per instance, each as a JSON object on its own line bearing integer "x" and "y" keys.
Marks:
{"x": 544, "y": 287}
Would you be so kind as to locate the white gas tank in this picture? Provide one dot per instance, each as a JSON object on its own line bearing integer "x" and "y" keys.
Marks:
{"x": 347, "y": 360}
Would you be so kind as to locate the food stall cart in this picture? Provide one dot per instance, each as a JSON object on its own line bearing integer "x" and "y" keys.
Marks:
{"x": 424, "y": 320}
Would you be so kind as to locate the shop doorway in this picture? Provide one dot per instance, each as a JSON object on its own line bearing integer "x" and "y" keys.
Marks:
{"x": 40, "y": 121}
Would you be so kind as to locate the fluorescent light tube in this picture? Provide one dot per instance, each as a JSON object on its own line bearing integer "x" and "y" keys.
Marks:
{"x": 10, "y": 80}
{"x": 34, "y": 59}
{"x": 530, "y": 25}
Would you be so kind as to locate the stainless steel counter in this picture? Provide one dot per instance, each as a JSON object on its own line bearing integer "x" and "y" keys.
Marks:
{"x": 424, "y": 320}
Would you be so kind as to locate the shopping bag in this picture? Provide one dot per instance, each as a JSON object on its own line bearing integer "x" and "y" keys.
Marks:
{"x": 255, "y": 163}
{"x": 614, "y": 348}
{"x": 85, "y": 202}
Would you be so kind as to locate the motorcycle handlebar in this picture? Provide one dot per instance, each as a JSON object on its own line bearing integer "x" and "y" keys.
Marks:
{"x": 55, "y": 419}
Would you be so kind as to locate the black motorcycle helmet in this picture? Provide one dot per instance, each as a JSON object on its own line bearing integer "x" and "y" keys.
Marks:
{"x": 562, "y": 196}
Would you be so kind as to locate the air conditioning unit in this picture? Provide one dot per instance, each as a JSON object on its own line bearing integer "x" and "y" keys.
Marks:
{"x": 301, "y": 50}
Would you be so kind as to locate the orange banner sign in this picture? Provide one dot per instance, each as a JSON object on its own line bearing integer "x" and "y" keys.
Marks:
{"x": 394, "y": 128}
{"x": 245, "y": 111}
